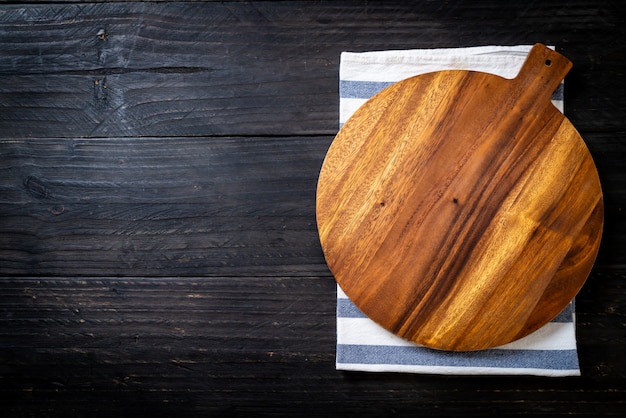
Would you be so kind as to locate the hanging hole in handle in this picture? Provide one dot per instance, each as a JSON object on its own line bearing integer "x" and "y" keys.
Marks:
{"x": 548, "y": 63}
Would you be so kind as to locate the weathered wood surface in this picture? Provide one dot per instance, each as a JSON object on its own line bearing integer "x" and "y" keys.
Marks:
{"x": 177, "y": 146}
{"x": 461, "y": 210}
{"x": 160, "y": 206}
{"x": 172, "y": 206}
{"x": 130, "y": 69}
{"x": 234, "y": 346}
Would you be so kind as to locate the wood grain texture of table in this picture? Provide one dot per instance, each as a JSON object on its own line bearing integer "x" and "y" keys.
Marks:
{"x": 158, "y": 165}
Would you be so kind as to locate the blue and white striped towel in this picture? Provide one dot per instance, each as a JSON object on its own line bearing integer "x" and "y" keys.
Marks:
{"x": 362, "y": 345}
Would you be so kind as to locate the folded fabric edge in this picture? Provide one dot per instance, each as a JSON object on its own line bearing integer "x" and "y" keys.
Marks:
{"x": 408, "y": 56}
{"x": 435, "y": 51}
{"x": 440, "y": 370}
{"x": 397, "y": 65}
{"x": 365, "y": 68}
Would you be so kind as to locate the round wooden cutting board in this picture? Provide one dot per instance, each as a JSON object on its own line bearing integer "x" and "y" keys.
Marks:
{"x": 461, "y": 210}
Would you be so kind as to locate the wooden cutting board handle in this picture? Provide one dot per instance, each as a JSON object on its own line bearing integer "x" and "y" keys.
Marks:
{"x": 542, "y": 72}
{"x": 461, "y": 210}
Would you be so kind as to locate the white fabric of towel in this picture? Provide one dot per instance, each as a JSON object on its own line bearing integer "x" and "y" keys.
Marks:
{"x": 362, "y": 345}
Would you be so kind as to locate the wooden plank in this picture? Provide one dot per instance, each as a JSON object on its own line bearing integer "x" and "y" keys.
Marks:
{"x": 124, "y": 69}
{"x": 187, "y": 206}
{"x": 160, "y": 206}
{"x": 168, "y": 104}
{"x": 94, "y": 346}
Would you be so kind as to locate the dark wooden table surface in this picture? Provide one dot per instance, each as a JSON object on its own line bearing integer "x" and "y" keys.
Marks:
{"x": 158, "y": 248}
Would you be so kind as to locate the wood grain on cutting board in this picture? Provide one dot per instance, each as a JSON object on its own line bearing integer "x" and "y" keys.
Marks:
{"x": 459, "y": 209}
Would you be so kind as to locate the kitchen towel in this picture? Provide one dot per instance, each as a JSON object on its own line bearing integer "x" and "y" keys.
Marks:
{"x": 362, "y": 345}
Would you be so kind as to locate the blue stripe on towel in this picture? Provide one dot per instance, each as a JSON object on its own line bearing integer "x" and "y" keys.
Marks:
{"x": 361, "y": 89}
{"x": 558, "y": 93}
{"x": 347, "y": 309}
{"x": 366, "y": 89}
{"x": 524, "y": 359}
{"x": 566, "y": 315}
